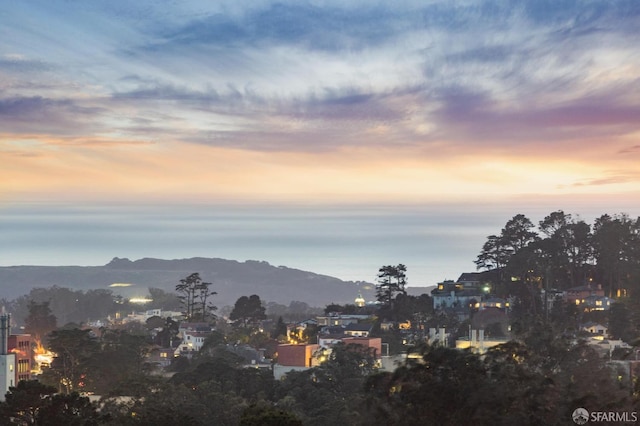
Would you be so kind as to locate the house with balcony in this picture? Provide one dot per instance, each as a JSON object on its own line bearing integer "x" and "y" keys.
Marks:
{"x": 451, "y": 294}
{"x": 192, "y": 341}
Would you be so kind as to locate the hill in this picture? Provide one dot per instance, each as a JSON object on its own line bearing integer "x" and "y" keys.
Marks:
{"x": 231, "y": 279}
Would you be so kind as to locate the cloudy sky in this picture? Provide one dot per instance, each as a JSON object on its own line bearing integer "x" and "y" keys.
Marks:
{"x": 328, "y": 136}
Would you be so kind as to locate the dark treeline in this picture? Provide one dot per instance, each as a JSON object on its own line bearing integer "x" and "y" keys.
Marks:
{"x": 564, "y": 252}
{"x": 539, "y": 379}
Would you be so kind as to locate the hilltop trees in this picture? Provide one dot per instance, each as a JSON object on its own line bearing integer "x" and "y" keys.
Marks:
{"x": 194, "y": 295}
{"x": 565, "y": 253}
{"x": 248, "y": 310}
{"x": 616, "y": 243}
{"x": 391, "y": 281}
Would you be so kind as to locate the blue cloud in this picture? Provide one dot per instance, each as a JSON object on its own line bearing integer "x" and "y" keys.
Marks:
{"x": 305, "y": 25}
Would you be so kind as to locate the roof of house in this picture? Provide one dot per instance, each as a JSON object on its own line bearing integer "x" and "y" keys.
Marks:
{"x": 592, "y": 324}
{"x": 197, "y": 333}
{"x": 583, "y": 288}
{"x": 469, "y": 276}
{"x": 195, "y": 326}
{"x": 358, "y": 327}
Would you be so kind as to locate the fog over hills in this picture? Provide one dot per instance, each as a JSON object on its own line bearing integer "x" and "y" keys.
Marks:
{"x": 231, "y": 279}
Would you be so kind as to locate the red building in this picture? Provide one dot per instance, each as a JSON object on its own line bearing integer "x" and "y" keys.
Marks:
{"x": 374, "y": 343}
{"x": 20, "y": 345}
{"x": 296, "y": 355}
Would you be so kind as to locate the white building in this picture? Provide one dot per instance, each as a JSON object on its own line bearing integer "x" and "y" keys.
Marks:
{"x": 7, "y": 360}
{"x": 192, "y": 341}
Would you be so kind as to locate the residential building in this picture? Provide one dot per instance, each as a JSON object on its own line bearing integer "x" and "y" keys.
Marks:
{"x": 578, "y": 295}
{"x": 161, "y": 356}
{"x": 192, "y": 341}
{"x": 597, "y": 303}
{"x": 295, "y": 358}
{"x": 374, "y": 343}
{"x": 358, "y": 330}
{"x": 336, "y": 319}
{"x": 595, "y": 328}
{"x": 20, "y": 345}
{"x": 7, "y": 359}
{"x": 450, "y": 294}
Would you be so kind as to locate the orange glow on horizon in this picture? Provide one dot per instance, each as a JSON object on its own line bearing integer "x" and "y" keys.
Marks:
{"x": 177, "y": 170}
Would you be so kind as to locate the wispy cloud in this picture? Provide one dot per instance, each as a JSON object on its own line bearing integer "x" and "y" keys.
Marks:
{"x": 482, "y": 85}
{"x": 630, "y": 150}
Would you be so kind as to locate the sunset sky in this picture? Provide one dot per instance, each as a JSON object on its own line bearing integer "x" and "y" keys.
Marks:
{"x": 328, "y": 136}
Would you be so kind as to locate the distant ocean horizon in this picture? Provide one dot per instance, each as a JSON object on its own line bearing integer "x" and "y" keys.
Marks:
{"x": 435, "y": 242}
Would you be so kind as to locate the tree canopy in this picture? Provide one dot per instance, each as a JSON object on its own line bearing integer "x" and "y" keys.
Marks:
{"x": 195, "y": 296}
{"x": 248, "y": 311}
{"x": 565, "y": 252}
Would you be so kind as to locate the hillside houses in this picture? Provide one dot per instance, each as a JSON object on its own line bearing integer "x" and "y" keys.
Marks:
{"x": 468, "y": 293}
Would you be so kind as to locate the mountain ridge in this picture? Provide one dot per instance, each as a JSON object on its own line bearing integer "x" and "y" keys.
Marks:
{"x": 231, "y": 279}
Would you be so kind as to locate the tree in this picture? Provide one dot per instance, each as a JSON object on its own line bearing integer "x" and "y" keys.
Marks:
{"x": 517, "y": 233}
{"x": 620, "y": 326}
{"x": 169, "y": 332}
{"x": 164, "y": 300}
{"x": 69, "y": 410}
{"x": 120, "y": 358}
{"x": 194, "y": 295}
{"x": 23, "y": 402}
{"x": 261, "y": 415}
{"x": 617, "y": 251}
{"x": 568, "y": 248}
{"x": 40, "y": 320}
{"x": 94, "y": 304}
{"x": 391, "y": 281}
{"x": 248, "y": 310}
{"x": 70, "y": 367}
{"x": 280, "y": 329}
{"x": 498, "y": 251}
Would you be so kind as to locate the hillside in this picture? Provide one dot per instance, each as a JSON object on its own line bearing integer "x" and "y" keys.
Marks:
{"x": 230, "y": 278}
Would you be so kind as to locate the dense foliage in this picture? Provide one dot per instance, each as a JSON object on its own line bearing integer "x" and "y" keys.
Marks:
{"x": 565, "y": 252}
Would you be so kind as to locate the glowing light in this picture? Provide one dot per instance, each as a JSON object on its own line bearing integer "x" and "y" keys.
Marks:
{"x": 121, "y": 285}
{"x": 42, "y": 357}
{"x": 140, "y": 300}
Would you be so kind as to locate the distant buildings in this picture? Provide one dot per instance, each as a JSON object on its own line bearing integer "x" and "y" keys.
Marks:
{"x": 7, "y": 359}
{"x": 468, "y": 293}
{"x": 588, "y": 297}
{"x": 334, "y": 328}
{"x": 15, "y": 356}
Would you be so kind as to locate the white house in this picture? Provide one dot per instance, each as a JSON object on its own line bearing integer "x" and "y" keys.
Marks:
{"x": 595, "y": 328}
{"x": 192, "y": 341}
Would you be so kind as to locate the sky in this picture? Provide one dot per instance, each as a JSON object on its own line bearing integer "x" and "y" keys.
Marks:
{"x": 334, "y": 137}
